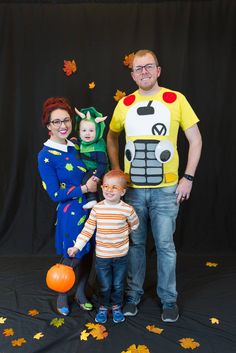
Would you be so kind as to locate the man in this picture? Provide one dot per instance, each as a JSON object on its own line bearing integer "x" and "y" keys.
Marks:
{"x": 151, "y": 117}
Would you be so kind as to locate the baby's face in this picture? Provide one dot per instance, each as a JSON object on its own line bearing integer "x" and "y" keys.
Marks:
{"x": 87, "y": 131}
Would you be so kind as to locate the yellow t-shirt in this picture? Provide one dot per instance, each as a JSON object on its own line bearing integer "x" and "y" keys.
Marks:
{"x": 151, "y": 125}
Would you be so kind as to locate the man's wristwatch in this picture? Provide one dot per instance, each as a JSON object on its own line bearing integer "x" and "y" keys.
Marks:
{"x": 188, "y": 177}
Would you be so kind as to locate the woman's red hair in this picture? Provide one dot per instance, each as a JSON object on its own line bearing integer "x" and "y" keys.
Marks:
{"x": 52, "y": 104}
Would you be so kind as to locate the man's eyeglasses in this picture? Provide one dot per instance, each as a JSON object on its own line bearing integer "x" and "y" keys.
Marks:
{"x": 58, "y": 122}
{"x": 147, "y": 67}
{"x": 114, "y": 188}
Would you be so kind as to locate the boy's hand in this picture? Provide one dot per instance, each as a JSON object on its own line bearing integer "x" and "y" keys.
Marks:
{"x": 72, "y": 251}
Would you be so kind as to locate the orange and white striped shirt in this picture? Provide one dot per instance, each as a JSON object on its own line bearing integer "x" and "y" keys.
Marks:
{"x": 113, "y": 223}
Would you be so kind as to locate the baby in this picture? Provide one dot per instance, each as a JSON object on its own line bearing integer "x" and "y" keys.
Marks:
{"x": 92, "y": 147}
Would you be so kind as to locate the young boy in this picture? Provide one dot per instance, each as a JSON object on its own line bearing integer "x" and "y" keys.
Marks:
{"x": 92, "y": 147}
{"x": 113, "y": 220}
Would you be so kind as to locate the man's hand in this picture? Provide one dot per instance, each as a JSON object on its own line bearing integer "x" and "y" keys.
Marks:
{"x": 183, "y": 190}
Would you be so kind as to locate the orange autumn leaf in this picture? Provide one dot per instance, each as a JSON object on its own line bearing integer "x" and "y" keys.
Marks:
{"x": 33, "y": 312}
{"x": 69, "y": 67}
{"x": 128, "y": 60}
{"x": 119, "y": 95}
{"x": 214, "y": 320}
{"x": 188, "y": 343}
{"x": 139, "y": 349}
{"x": 8, "y": 332}
{"x": 211, "y": 264}
{"x": 18, "y": 342}
{"x": 92, "y": 85}
{"x": 154, "y": 329}
{"x": 97, "y": 331}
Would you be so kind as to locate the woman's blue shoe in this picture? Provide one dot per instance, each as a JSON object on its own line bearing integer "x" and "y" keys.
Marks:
{"x": 63, "y": 311}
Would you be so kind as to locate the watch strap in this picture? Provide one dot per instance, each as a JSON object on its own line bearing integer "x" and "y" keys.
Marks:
{"x": 189, "y": 177}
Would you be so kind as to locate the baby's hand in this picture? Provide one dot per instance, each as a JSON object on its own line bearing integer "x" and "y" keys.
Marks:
{"x": 72, "y": 251}
{"x": 95, "y": 178}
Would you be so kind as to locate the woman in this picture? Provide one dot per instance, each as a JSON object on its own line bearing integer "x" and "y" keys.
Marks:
{"x": 62, "y": 172}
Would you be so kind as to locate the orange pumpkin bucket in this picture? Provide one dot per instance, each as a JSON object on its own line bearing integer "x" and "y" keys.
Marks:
{"x": 60, "y": 278}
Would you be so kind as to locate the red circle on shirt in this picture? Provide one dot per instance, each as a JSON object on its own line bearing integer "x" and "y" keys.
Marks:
{"x": 129, "y": 99}
{"x": 169, "y": 97}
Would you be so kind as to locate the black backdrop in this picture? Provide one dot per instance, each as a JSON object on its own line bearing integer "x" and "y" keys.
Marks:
{"x": 195, "y": 43}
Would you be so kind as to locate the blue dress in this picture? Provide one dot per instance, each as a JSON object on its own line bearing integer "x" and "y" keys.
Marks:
{"x": 61, "y": 172}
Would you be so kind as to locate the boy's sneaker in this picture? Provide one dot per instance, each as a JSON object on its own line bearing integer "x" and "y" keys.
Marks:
{"x": 117, "y": 314}
{"x": 170, "y": 312}
{"x": 101, "y": 316}
{"x": 130, "y": 307}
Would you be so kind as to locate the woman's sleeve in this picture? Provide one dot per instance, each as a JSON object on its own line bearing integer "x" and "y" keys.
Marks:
{"x": 57, "y": 191}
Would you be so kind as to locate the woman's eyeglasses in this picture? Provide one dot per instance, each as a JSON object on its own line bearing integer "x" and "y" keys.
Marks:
{"x": 58, "y": 122}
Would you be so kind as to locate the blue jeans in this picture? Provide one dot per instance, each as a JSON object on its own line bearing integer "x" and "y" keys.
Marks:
{"x": 160, "y": 206}
{"x": 111, "y": 275}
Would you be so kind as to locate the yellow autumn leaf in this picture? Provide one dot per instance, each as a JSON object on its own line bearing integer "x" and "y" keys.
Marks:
{"x": 211, "y": 264}
{"x": 214, "y": 320}
{"x": 119, "y": 94}
{"x": 8, "y": 332}
{"x": 2, "y": 320}
{"x": 92, "y": 85}
{"x": 154, "y": 329}
{"x": 33, "y": 312}
{"x": 57, "y": 322}
{"x": 84, "y": 335}
{"x": 38, "y": 335}
{"x": 189, "y": 343}
{"x": 18, "y": 342}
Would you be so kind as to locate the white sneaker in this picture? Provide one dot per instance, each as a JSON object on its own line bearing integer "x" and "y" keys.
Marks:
{"x": 89, "y": 205}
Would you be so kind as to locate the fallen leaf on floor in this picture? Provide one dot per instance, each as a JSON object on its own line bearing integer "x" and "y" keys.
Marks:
{"x": 214, "y": 320}
{"x": 84, "y": 335}
{"x": 189, "y": 343}
{"x": 18, "y": 342}
{"x": 2, "y": 320}
{"x": 97, "y": 331}
{"x": 38, "y": 335}
{"x": 8, "y": 332}
{"x": 211, "y": 264}
{"x": 57, "y": 322}
{"x": 33, "y": 312}
{"x": 139, "y": 349}
{"x": 154, "y": 329}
